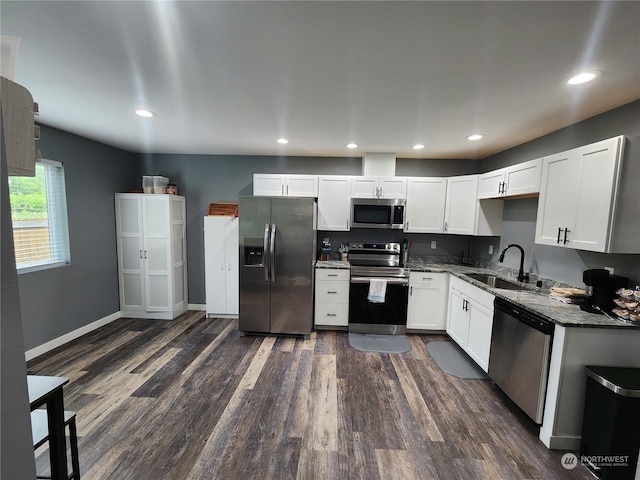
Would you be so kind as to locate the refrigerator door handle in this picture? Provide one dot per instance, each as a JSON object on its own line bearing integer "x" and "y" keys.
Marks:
{"x": 272, "y": 252}
{"x": 265, "y": 250}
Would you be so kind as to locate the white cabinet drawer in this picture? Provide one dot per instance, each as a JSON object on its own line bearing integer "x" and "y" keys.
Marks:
{"x": 427, "y": 278}
{"x": 332, "y": 274}
{"x": 332, "y": 314}
{"x": 332, "y": 292}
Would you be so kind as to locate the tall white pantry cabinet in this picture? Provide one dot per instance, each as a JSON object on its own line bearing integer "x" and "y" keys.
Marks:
{"x": 152, "y": 256}
{"x": 221, "y": 260}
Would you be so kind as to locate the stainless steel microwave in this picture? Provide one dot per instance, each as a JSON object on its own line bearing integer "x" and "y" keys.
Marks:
{"x": 377, "y": 213}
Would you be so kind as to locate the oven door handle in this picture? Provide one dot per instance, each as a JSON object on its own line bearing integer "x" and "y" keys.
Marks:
{"x": 391, "y": 281}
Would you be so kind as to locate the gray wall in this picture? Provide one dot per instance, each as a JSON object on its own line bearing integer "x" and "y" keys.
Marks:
{"x": 519, "y": 216}
{"x": 16, "y": 448}
{"x": 60, "y": 300}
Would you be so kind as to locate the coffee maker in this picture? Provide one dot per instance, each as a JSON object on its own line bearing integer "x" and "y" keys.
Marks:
{"x": 601, "y": 288}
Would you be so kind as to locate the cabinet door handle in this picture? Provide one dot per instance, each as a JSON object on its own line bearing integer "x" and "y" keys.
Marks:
{"x": 566, "y": 230}
{"x": 332, "y": 275}
{"x": 410, "y": 291}
{"x": 282, "y": 189}
{"x": 229, "y": 266}
{"x": 331, "y": 314}
{"x": 140, "y": 253}
{"x": 145, "y": 254}
{"x": 332, "y": 293}
{"x": 446, "y": 225}
{"x": 287, "y": 190}
{"x": 221, "y": 266}
{"x": 427, "y": 278}
{"x": 559, "y": 233}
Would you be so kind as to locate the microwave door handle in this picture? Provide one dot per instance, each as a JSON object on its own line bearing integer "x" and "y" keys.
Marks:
{"x": 272, "y": 253}
{"x": 265, "y": 252}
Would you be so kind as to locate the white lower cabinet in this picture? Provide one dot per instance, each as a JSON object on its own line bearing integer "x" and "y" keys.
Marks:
{"x": 221, "y": 258}
{"x": 470, "y": 319}
{"x": 332, "y": 298}
{"x": 427, "y": 301}
{"x": 152, "y": 256}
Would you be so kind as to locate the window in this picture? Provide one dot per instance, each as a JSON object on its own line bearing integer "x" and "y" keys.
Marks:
{"x": 39, "y": 215}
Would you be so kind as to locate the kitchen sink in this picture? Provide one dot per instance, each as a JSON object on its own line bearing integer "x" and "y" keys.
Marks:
{"x": 495, "y": 282}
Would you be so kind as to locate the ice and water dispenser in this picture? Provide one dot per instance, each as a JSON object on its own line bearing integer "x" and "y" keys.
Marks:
{"x": 254, "y": 252}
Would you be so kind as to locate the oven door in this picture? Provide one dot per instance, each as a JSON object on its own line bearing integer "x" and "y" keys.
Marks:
{"x": 389, "y": 317}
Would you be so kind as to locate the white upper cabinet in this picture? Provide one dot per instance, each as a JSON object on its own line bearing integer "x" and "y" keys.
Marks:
{"x": 379, "y": 187}
{"x": 465, "y": 214}
{"x": 490, "y": 184}
{"x": 460, "y": 211}
{"x": 523, "y": 179}
{"x": 334, "y": 202}
{"x": 18, "y": 129}
{"x": 425, "y": 204}
{"x": 280, "y": 185}
{"x": 516, "y": 180}
{"x": 581, "y": 198}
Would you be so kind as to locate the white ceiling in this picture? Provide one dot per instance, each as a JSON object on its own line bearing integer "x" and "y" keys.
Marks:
{"x": 232, "y": 77}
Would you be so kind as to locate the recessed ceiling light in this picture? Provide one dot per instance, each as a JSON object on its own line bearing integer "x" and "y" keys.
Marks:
{"x": 475, "y": 136}
{"x": 282, "y": 141}
{"x": 352, "y": 145}
{"x": 582, "y": 77}
{"x": 418, "y": 146}
{"x": 145, "y": 113}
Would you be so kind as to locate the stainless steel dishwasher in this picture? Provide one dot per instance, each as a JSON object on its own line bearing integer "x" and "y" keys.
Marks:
{"x": 520, "y": 354}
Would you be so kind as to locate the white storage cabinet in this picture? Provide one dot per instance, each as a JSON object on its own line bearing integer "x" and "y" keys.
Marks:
{"x": 221, "y": 263}
{"x": 280, "y": 185}
{"x": 465, "y": 214}
{"x": 427, "y": 309}
{"x": 334, "y": 202}
{"x": 152, "y": 257}
{"x": 379, "y": 187}
{"x": 518, "y": 180}
{"x": 583, "y": 204}
{"x": 426, "y": 198}
{"x": 470, "y": 319}
{"x": 332, "y": 298}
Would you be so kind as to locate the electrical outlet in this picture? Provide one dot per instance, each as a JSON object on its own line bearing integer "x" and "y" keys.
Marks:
{"x": 433, "y": 244}
{"x": 490, "y": 249}
{"x": 611, "y": 270}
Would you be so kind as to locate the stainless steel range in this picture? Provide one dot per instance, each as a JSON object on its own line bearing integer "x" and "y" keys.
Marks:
{"x": 370, "y": 264}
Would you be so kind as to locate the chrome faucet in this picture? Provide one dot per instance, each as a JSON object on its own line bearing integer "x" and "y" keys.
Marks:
{"x": 521, "y": 275}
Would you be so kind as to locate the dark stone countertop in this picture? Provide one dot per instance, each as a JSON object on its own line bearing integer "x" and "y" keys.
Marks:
{"x": 534, "y": 299}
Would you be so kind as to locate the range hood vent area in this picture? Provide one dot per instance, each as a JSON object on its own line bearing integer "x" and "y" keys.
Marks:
{"x": 379, "y": 165}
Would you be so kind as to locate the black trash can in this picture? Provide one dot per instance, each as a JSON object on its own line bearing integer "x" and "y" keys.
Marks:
{"x": 611, "y": 422}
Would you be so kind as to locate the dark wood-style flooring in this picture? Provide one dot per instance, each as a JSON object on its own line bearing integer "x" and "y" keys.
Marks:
{"x": 192, "y": 399}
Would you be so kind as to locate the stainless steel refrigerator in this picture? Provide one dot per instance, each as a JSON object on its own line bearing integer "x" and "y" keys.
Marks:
{"x": 277, "y": 254}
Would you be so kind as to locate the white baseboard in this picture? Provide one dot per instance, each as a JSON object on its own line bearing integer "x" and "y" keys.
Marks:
{"x": 197, "y": 306}
{"x": 57, "y": 342}
{"x": 556, "y": 442}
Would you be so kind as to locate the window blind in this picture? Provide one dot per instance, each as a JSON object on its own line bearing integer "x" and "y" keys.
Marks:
{"x": 39, "y": 214}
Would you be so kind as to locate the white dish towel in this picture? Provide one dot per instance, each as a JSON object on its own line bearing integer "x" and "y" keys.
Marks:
{"x": 377, "y": 290}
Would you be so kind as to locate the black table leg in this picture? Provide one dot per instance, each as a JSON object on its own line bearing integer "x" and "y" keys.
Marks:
{"x": 57, "y": 442}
